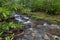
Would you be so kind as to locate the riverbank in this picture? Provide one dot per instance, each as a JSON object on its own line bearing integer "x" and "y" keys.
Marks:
{"x": 44, "y": 16}
{"x": 38, "y": 30}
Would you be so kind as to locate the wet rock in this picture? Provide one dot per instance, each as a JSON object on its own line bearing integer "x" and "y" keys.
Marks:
{"x": 39, "y": 26}
{"x": 27, "y": 26}
{"x": 35, "y": 29}
{"x": 26, "y": 17}
{"x": 56, "y": 37}
{"x": 27, "y": 32}
{"x": 30, "y": 29}
{"x": 27, "y": 22}
{"x": 33, "y": 24}
{"x": 16, "y": 15}
{"x": 18, "y": 18}
{"x": 45, "y": 24}
{"x": 51, "y": 27}
{"x": 38, "y": 38}
{"x": 50, "y": 36}
{"x": 46, "y": 37}
{"x": 19, "y": 39}
{"x": 28, "y": 37}
{"x": 55, "y": 32}
{"x": 33, "y": 34}
{"x": 24, "y": 39}
{"x": 55, "y": 25}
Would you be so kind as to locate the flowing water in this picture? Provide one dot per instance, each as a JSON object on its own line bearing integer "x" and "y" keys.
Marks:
{"x": 35, "y": 30}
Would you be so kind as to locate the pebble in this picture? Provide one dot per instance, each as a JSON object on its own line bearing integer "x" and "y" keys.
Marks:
{"x": 33, "y": 34}
{"x": 46, "y": 37}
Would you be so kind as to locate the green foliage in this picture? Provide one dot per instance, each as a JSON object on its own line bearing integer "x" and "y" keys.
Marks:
{"x": 37, "y": 4}
{"x": 5, "y": 13}
{"x": 16, "y": 6}
{"x": 13, "y": 25}
{"x": 7, "y": 8}
{"x": 26, "y": 10}
{"x": 50, "y": 6}
{"x": 9, "y": 37}
{"x": 7, "y": 26}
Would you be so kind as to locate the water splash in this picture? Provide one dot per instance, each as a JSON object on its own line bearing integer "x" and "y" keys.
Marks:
{"x": 45, "y": 24}
{"x": 18, "y": 18}
{"x": 26, "y": 17}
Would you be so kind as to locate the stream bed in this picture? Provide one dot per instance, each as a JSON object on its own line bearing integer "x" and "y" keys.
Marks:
{"x": 37, "y": 30}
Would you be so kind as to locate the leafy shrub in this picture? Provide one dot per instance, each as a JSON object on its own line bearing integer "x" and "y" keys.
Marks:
{"x": 13, "y": 25}
{"x": 11, "y": 37}
{"x": 37, "y": 4}
{"x": 50, "y": 6}
{"x": 16, "y": 6}
{"x": 5, "y": 13}
{"x": 7, "y": 26}
{"x": 19, "y": 7}
{"x": 26, "y": 10}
